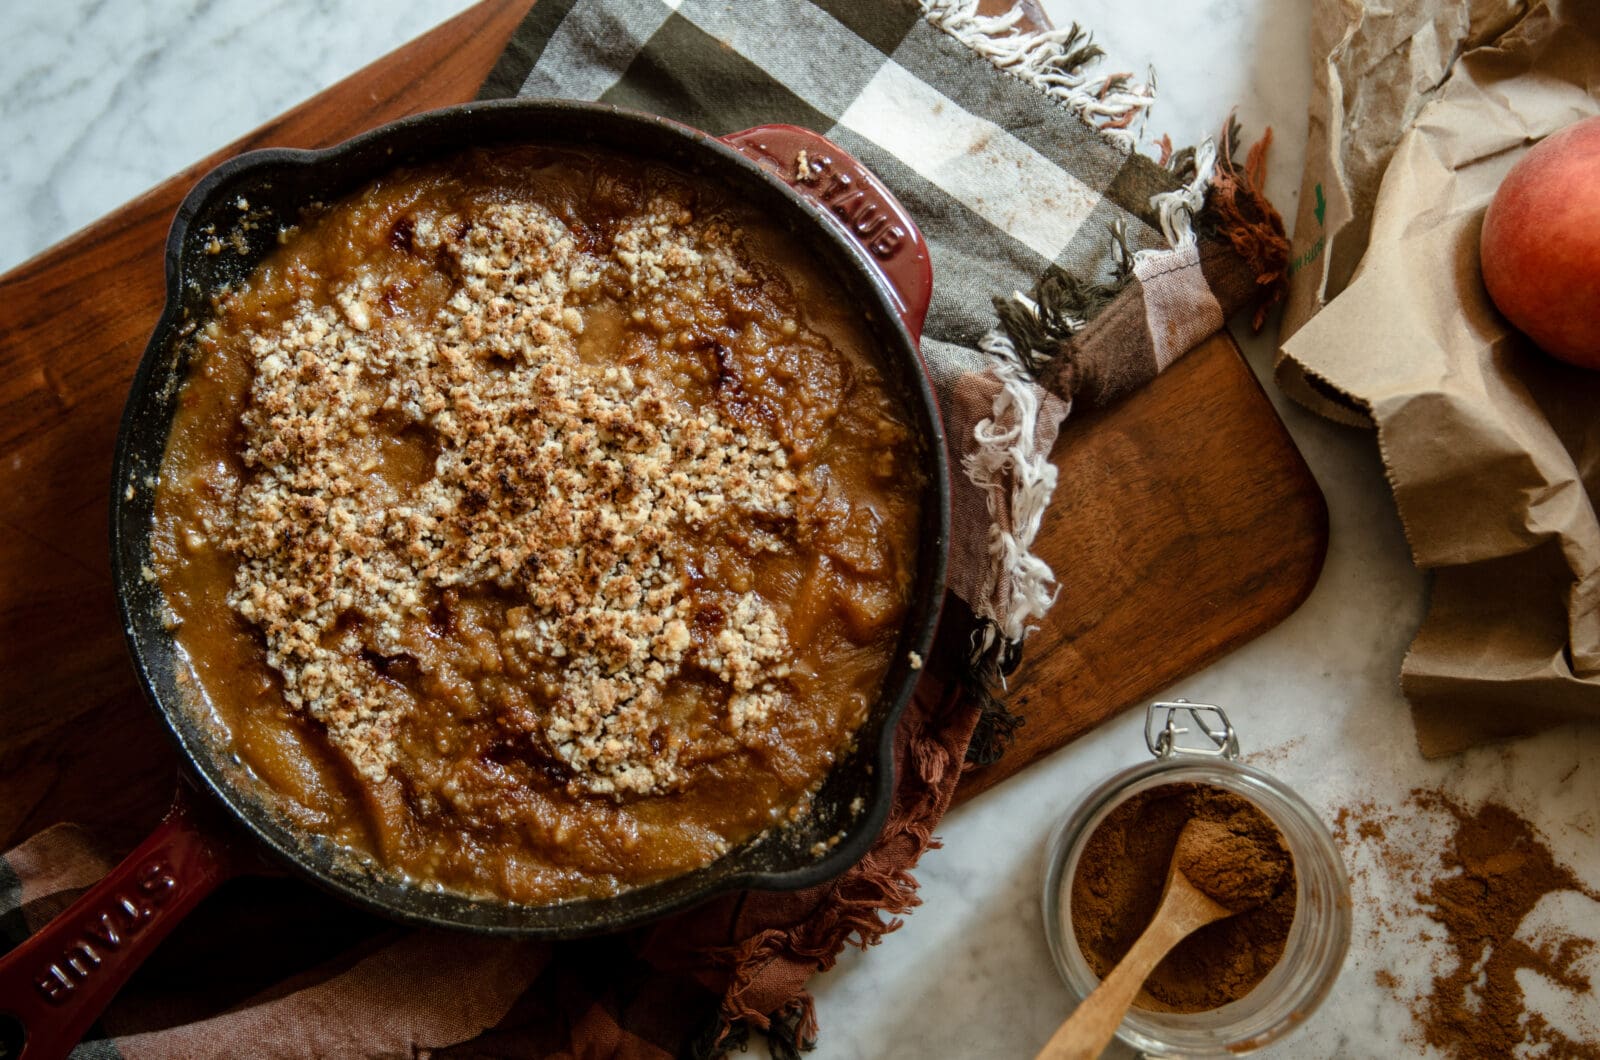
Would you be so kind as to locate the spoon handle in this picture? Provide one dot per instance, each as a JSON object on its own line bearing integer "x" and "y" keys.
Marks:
{"x": 1085, "y": 1033}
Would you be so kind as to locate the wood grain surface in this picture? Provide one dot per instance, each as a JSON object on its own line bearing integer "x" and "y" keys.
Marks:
{"x": 1185, "y": 523}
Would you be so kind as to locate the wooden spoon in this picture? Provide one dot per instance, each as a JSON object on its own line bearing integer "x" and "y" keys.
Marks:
{"x": 1184, "y": 910}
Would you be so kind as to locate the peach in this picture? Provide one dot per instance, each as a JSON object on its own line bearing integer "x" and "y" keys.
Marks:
{"x": 1540, "y": 250}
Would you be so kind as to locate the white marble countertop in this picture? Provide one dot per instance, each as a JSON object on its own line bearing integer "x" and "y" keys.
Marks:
{"x": 98, "y": 101}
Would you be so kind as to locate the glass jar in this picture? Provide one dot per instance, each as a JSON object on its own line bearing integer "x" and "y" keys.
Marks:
{"x": 1318, "y": 936}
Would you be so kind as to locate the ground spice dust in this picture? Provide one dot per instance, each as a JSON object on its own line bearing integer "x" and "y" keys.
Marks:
{"x": 1496, "y": 869}
{"x": 1231, "y": 868}
{"x": 1123, "y": 870}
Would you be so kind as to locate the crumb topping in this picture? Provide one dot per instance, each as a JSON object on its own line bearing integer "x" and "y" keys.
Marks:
{"x": 391, "y": 461}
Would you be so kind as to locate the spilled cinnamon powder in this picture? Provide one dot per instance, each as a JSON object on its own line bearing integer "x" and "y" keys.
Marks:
{"x": 1496, "y": 869}
{"x": 1246, "y": 865}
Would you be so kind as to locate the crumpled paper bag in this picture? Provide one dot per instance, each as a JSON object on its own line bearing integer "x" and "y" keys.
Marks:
{"x": 1492, "y": 448}
{"x": 1374, "y": 66}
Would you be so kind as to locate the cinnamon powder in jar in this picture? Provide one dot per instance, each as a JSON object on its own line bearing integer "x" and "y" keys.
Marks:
{"x": 1243, "y": 857}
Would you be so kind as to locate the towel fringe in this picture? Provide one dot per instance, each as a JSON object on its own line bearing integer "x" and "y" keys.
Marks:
{"x": 1178, "y": 208}
{"x": 1238, "y": 211}
{"x": 983, "y": 678}
{"x": 1033, "y": 326}
{"x": 794, "y": 1028}
{"x": 860, "y": 908}
{"x": 1013, "y": 475}
{"x": 1055, "y": 61}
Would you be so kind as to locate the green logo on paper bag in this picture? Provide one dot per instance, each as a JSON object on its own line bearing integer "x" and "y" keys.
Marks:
{"x": 1320, "y": 208}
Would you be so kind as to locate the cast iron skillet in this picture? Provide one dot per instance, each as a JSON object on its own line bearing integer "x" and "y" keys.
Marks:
{"x": 53, "y": 986}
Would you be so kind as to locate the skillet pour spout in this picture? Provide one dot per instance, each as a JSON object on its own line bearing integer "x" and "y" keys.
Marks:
{"x": 53, "y": 987}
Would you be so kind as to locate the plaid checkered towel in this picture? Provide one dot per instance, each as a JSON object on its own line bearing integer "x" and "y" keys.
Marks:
{"x": 1068, "y": 271}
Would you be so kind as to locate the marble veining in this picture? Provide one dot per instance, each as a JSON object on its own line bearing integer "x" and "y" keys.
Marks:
{"x": 100, "y": 100}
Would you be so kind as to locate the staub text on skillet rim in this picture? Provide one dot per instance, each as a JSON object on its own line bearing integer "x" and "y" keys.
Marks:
{"x": 269, "y": 183}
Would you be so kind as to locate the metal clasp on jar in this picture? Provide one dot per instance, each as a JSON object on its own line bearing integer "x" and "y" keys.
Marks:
{"x": 1163, "y": 726}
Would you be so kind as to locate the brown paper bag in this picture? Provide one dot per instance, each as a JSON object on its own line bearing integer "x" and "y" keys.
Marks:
{"x": 1492, "y": 448}
{"x": 1373, "y": 69}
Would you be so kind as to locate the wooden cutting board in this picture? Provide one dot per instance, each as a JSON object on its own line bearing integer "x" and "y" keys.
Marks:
{"x": 1185, "y": 523}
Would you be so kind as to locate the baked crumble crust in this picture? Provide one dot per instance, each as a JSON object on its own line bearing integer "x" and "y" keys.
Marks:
{"x": 579, "y": 488}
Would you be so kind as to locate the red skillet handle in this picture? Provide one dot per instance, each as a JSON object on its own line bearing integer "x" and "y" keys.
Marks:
{"x": 847, "y": 194}
{"x": 54, "y": 985}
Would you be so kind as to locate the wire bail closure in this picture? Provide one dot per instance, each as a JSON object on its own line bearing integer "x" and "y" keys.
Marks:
{"x": 1162, "y": 728}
